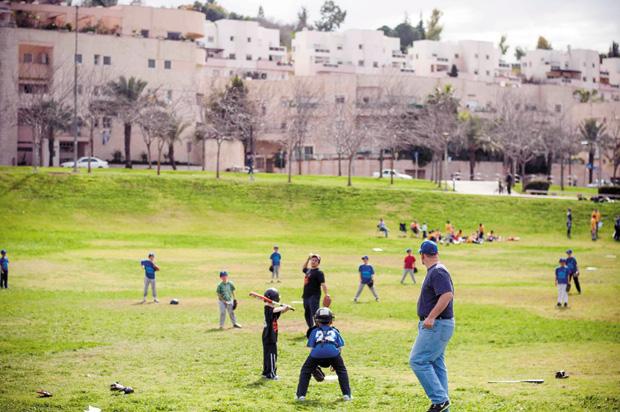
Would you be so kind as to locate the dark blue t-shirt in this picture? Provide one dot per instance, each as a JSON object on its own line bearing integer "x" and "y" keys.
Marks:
{"x": 275, "y": 258}
{"x": 325, "y": 342}
{"x": 366, "y": 272}
{"x": 149, "y": 268}
{"x": 571, "y": 264}
{"x": 436, "y": 283}
{"x": 4, "y": 264}
{"x": 561, "y": 275}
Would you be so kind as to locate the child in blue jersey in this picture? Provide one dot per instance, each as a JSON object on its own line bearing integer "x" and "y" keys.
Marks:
{"x": 325, "y": 345}
{"x": 367, "y": 278}
{"x": 149, "y": 276}
{"x": 561, "y": 281}
{"x": 275, "y": 258}
{"x": 573, "y": 270}
{"x": 4, "y": 270}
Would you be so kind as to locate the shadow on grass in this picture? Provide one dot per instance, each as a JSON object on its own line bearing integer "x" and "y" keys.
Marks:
{"x": 213, "y": 330}
{"x": 258, "y": 383}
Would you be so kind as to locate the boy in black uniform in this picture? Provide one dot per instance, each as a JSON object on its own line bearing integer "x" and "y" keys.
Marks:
{"x": 325, "y": 345}
{"x": 270, "y": 334}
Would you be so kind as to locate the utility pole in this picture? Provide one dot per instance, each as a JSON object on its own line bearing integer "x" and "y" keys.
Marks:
{"x": 75, "y": 75}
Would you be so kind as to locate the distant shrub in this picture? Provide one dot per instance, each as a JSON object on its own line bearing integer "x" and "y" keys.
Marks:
{"x": 609, "y": 190}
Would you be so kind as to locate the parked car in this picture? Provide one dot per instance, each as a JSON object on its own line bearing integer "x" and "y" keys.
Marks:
{"x": 596, "y": 183}
{"x": 395, "y": 173}
{"x": 95, "y": 163}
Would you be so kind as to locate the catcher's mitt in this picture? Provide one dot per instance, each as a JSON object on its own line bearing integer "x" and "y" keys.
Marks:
{"x": 271, "y": 268}
{"x": 567, "y": 287}
{"x": 234, "y": 304}
{"x": 327, "y": 301}
{"x": 318, "y": 374}
{"x": 371, "y": 284}
{"x": 44, "y": 394}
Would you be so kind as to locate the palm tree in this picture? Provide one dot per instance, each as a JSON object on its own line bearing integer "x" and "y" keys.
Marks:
{"x": 127, "y": 100}
{"x": 592, "y": 132}
{"x": 176, "y": 129}
{"x": 585, "y": 96}
{"x": 57, "y": 116}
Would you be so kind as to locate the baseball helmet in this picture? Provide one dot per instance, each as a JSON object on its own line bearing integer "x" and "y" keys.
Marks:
{"x": 323, "y": 316}
{"x": 174, "y": 301}
{"x": 273, "y": 294}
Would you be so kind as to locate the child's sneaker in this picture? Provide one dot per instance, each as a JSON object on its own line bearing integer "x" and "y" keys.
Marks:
{"x": 155, "y": 301}
{"x": 376, "y": 299}
{"x": 559, "y": 305}
{"x": 347, "y": 398}
{"x": 236, "y": 325}
{"x": 565, "y": 304}
{"x": 300, "y": 398}
{"x": 143, "y": 301}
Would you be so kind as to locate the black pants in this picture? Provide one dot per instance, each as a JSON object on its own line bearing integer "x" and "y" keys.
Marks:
{"x": 311, "y": 305}
{"x": 568, "y": 228}
{"x": 310, "y": 365}
{"x": 270, "y": 358}
{"x": 577, "y": 285}
{"x": 617, "y": 233}
{"x": 4, "y": 279}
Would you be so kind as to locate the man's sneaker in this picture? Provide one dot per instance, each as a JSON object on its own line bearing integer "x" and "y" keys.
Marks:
{"x": 439, "y": 407}
{"x": 354, "y": 300}
{"x": 300, "y": 398}
{"x": 559, "y": 305}
{"x": 272, "y": 378}
{"x": 565, "y": 304}
{"x": 376, "y": 299}
{"x": 236, "y": 325}
{"x": 155, "y": 300}
{"x": 347, "y": 398}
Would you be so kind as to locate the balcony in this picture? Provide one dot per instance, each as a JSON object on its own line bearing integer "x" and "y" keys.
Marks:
{"x": 557, "y": 73}
{"x": 277, "y": 49}
{"x": 35, "y": 71}
{"x": 321, "y": 50}
{"x": 397, "y": 55}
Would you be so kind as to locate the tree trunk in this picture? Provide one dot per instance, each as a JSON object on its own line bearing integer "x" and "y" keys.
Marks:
{"x": 159, "y": 150}
{"x": 339, "y": 164}
{"x": 148, "y": 155}
{"x": 217, "y": 160}
{"x": 204, "y": 154}
{"x": 35, "y": 148}
{"x": 349, "y": 171}
{"x": 549, "y": 163}
{"x": 591, "y": 163}
{"x": 562, "y": 172}
{"x": 570, "y": 169}
{"x": 127, "y": 131}
{"x": 50, "y": 145}
{"x": 381, "y": 163}
{"x": 472, "y": 162}
{"x": 392, "y": 167}
{"x": 91, "y": 144}
{"x": 171, "y": 156}
{"x": 300, "y": 160}
{"x": 289, "y": 155}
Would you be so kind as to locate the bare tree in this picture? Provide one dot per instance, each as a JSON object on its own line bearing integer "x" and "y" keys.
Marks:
{"x": 611, "y": 143}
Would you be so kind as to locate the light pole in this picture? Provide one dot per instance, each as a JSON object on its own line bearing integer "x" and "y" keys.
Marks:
{"x": 75, "y": 75}
{"x": 445, "y": 159}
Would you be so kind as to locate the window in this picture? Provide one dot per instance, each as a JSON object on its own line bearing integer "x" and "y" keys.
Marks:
{"x": 249, "y": 40}
{"x": 174, "y": 35}
{"x": 592, "y": 65}
{"x": 167, "y": 64}
{"x": 456, "y": 55}
{"x": 248, "y": 57}
{"x": 584, "y": 79}
{"x": 44, "y": 58}
{"x": 593, "y": 80}
{"x": 339, "y": 99}
{"x": 488, "y": 73}
{"x": 360, "y": 63}
{"x": 78, "y": 58}
{"x": 144, "y": 33}
{"x": 360, "y": 46}
{"x": 476, "y": 72}
{"x": 366, "y": 100}
{"x": 263, "y": 110}
{"x": 169, "y": 94}
{"x": 232, "y": 56}
{"x": 416, "y": 56}
{"x": 558, "y": 108}
{"x": 96, "y": 90}
{"x": 29, "y": 88}
{"x": 106, "y": 122}
{"x": 96, "y": 122}
{"x": 107, "y": 60}
{"x": 96, "y": 59}
{"x": 210, "y": 39}
{"x": 200, "y": 98}
{"x": 151, "y": 63}
{"x": 27, "y": 58}
{"x": 232, "y": 38}
{"x": 375, "y": 64}
{"x": 339, "y": 47}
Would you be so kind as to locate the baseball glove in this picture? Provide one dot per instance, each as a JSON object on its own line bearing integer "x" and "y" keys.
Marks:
{"x": 327, "y": 301}
{"x": 567, "y": 287}
{"x": 371, "y": 284}
{"x": 318, "y": 374}
{"x": 271, "y": 268}
{"x": 234, "y": 304}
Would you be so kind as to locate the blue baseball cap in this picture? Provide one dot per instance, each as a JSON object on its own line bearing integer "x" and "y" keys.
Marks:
{"x": 364, "y": 257}
{"x": 223, "y": 273}
{"x": 569, "y": 252}
{"x": 562, "y": 260}
{"x": 3, "y": 251}
{"x": 428, "y": 247}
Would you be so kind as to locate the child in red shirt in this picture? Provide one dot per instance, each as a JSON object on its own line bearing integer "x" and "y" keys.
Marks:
{"x": 409, "y": 268}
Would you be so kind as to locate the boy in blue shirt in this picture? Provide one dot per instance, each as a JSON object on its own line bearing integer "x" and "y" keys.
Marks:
{"x": 367, "y": 273}
{"x": 573, "y": 270}
{"x": 276, "y": 258}
{"x": 4, "y": 270}
{"x": 561, "y": 281}
{"x": 149, "y": 276}
{"x": 325, "y": 345}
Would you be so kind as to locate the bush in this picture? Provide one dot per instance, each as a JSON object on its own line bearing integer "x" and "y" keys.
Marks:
{"x": 609, "y": 190}
{"x": 536, "y": 185}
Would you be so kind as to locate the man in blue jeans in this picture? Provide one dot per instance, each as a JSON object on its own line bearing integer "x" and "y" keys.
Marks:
{"x": 434, "y": 329}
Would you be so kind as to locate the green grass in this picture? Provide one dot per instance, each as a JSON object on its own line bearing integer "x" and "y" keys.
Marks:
{"x": 70, "y": 323}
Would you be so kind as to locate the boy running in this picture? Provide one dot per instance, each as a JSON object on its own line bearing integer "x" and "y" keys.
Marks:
{"x": 149, "y": 276}
{"x": 4, "y": 270}
{"x": 561, "y": 281}
{"x": 226, "y": 299}
{"x": 276, "y": 258}
{"x": 270, "y": 334}
{"x": 409, "y": 268}
{"x": 367, "y": 273}
{"x": 325, "y": 345}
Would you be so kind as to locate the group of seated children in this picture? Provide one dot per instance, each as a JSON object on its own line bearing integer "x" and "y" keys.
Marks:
{"x": 450, "y": 235}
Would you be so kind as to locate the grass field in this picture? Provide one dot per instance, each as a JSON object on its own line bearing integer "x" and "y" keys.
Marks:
{"x": 71, "y": 322}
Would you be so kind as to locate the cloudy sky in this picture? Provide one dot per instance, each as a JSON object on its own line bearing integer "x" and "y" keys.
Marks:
{"x": 580, "y": 23}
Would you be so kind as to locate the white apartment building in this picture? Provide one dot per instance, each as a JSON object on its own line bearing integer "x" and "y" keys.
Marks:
{"x": 610, "y": 72}
{"x": 474, "y": 60}
{"x": 244, "y": 48}
{"x": 350, "y": 52}
{"x": 577, "y": 68}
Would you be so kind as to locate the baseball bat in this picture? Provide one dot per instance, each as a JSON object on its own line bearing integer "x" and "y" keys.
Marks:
{"x": 537, "y": 381}
{"x": 266, "y": 299}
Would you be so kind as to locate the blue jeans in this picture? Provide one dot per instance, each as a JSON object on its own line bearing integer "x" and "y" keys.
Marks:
{"x": 427, "y": 358}
{"x": 311, "y": 305}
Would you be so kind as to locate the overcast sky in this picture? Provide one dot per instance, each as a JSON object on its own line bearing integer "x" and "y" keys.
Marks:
{"x": 582, "y": 24}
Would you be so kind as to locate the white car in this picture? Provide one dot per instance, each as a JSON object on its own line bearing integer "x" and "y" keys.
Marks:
{"x": 95, "y": 163}
{"x": 395, "y": 173}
